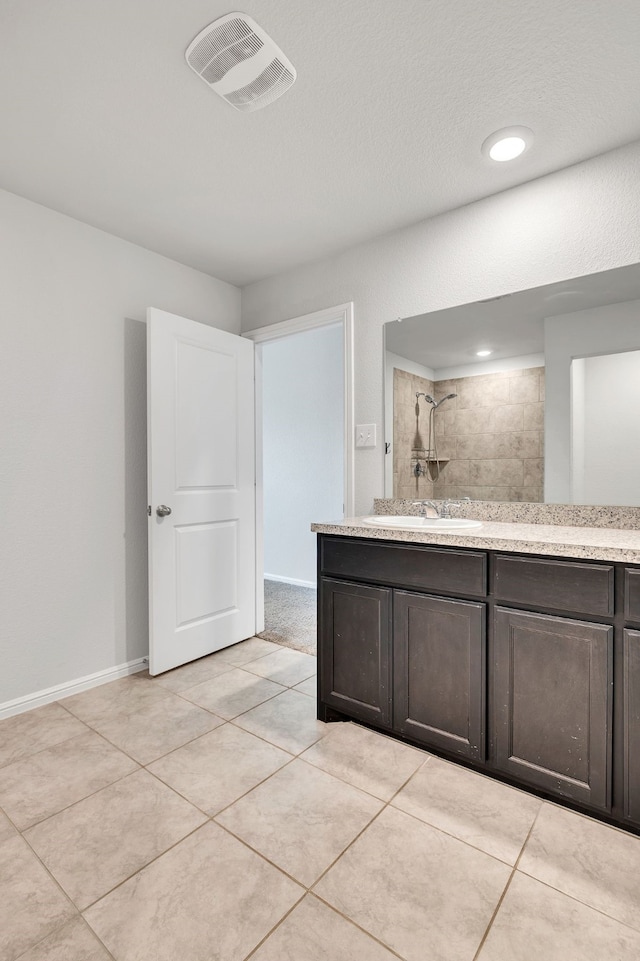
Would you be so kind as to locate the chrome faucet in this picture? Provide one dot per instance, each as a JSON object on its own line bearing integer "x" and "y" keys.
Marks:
{"x": 442, "y": 510}
{"x": 423, "y": 507}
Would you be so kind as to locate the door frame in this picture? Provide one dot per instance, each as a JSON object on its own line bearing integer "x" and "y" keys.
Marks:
{"x": 329, "y": 317}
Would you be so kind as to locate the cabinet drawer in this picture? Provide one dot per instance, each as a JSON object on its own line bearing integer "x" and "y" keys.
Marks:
{"x": 415, "y": 566}
{"x": 559, "y": 585}
{"x": 631, "y": 594}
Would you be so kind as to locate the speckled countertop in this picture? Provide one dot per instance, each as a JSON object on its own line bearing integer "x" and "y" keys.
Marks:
{"x": 594, "y": 543}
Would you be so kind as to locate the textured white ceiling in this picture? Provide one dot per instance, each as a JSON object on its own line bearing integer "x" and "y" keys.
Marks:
{"x": 101, "y": 118}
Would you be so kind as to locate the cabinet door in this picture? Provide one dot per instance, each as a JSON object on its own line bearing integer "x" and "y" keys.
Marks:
{"x": 552, "y": 688}
{"x": 439, "y": 672}
{"x": 354, "y": 650}
{"x": 631, "y": 687}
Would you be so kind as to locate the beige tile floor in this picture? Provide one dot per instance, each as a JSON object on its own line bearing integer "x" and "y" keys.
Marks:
{"x": 206, "y": 815}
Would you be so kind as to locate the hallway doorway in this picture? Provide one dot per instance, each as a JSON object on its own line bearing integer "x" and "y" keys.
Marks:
{"x": 305, "y": 453}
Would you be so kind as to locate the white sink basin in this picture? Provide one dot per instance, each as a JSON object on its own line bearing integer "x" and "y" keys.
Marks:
{"x": 421, "y": 523}
{"x": 395, "y": 520}
{"x": 449, "y": 523}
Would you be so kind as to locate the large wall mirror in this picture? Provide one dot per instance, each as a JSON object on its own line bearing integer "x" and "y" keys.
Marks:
{"x": 534, "y": 396}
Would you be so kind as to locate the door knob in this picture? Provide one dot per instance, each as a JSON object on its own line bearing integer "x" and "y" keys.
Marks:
{"x": 163, "y": 511}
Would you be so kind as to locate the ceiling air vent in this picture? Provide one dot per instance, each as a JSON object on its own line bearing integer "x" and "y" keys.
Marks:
{"x": 236, "y": 58}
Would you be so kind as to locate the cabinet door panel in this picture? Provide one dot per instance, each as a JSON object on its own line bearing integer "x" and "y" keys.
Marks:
{"x": 354, "y": 650}
{"x": 553, "y": 704}
{"x": 439, "y": 671}
{"x": 632, "y": 594}
{"x": 631, "y": 682}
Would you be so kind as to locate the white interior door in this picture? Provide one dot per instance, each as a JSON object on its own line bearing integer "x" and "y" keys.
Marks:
{"x": 201, "y": 471}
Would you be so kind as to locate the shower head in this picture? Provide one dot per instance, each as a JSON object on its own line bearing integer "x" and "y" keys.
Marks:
{"x": 427, "y": 397}
{"x": 442, "y": 400}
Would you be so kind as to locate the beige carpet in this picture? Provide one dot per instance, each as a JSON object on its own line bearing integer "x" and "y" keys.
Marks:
{"x": 290, "y": 616}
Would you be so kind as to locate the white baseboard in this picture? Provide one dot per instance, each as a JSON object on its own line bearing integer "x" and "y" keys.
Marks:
{"x": 38, "y": 698}
{"x": 289, "y": 580}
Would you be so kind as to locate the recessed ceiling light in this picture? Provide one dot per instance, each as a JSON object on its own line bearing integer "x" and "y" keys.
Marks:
{"x": 507, "y": 144}
{"x": 483, "y": 353}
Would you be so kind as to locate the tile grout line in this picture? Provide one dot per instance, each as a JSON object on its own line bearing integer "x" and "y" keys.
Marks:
{"x": 86, "y": 797}
{"x": 49, "y": 747}
{"x": 196, "y": 737}
{"x": 165, "y": 695}
{"x": 80, "y": 910}
{"x": 311, "y": 894}
{"x": 585, "y": 904}
{"x": 13, "y": 825}
{"x": 58, "y": 886}
{"x": 253, "y": 788}
{"x": 375, "y": 797}
{"x": 275, "y": 927}
{"x": 209, "y": 818}
{"x": 211, "y": 711}
{"x": 309, "y": 888}
{"x": 385, "y": 805}
{"x": 59, "y": 928}
{"x": 454, "y": 837}
{"x": 72, "y": 804}
{"x": 133, "y": 874}
{"x": 565, "y": 894}
{"x": 506, "y": 887}
{"x": 284, "y": 687}
{"x": 346, "y": 917}
{"x": 262, "y": 856}
{"x": 272, "y": 743}
{"x": 145, "y": 764}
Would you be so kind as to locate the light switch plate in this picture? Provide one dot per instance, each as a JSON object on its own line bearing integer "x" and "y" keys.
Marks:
{"x": 365, "y": 435}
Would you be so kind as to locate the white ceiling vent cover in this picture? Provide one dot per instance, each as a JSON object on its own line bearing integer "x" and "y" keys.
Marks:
{"x": 237, "y": 59}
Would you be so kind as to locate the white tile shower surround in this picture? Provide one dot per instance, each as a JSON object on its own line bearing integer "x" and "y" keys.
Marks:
{"x": 207, "y": 814}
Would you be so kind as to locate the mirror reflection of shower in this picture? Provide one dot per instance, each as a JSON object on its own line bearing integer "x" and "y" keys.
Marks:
{"x": 431, "y": 455}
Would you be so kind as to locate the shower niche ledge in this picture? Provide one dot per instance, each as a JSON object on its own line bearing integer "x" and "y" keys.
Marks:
{"x": 422, "y": 453}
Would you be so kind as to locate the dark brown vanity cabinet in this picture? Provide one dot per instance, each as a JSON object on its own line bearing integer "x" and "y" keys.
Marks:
{"x": 522, "y": 666}
{"x": 400, "y": 658}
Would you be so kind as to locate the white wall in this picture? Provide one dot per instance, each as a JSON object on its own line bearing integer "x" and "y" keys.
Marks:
{"x": 303, "y": 437}
{"x": 599, "y": 330}
{"x": 577, "y": 429}
{"x": 612, "y": 428}
{"x": 73, "y": 580}
{"x": 577, "y": 221}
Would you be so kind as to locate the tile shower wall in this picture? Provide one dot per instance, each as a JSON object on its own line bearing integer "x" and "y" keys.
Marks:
{"x": 492, "y": 433}
{"x": 409, "y": 431}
